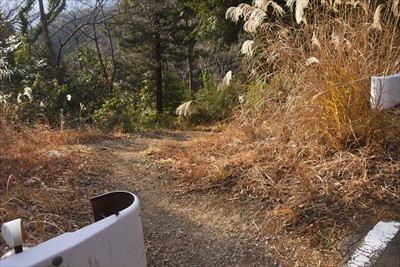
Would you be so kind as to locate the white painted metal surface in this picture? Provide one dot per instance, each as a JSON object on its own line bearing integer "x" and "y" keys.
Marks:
{"x": 116, "y": 240}
{"x": 374, "y": 243}
{"x": 13, "y": 233}
{"x": 385, "y": 91}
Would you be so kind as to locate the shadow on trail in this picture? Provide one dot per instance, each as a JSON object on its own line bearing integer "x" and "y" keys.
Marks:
{"x": 171, "y": 239}
{"x": 173, "y": 234}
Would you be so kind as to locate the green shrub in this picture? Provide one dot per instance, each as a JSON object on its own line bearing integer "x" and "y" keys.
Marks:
{"x": 214, "y": 103}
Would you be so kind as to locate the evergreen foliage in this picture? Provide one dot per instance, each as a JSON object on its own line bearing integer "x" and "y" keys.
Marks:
{"x": 124, "y": 64}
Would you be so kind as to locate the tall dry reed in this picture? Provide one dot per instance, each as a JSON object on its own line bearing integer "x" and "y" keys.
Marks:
{"x": 326, "y": 52}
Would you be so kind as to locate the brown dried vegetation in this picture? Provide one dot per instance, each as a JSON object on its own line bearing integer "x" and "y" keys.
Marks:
{"x": 305, "y": 148}
{"x": 40, "y": 181}
{"x": 305, "y": 145}
{"x": 309, "y": 193}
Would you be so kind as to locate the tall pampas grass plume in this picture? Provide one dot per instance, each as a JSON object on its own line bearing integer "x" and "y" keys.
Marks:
{"x": 377, "y": 18}
{"x": 255, "y": 20}
{"x": 315, "y": 41}
{"x": 395, "y": 8}
{"x": 312, "y": 60}
{"x": 241, "y": 11}
{"x": 183, "y": 110}
{"x": 264, "y": 4}
{"x": 247, "y": 48}
{"x": 227, "y": 78}
{"x": 300, "y": 5}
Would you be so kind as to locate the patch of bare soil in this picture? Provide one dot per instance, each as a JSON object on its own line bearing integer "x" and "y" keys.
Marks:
{"x": 180, "y": 229}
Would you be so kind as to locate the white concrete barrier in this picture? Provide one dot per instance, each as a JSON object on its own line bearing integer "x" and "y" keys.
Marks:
{"x": 385, "y": 91}
{"x": 115, "y": 239}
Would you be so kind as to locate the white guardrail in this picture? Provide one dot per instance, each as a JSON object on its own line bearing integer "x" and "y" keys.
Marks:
{"x": 114, "y": 239}
{"x": 385, "y": 91}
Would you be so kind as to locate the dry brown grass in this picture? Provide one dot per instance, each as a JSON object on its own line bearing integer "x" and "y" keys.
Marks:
{"x": 328, "y": 160}
{"x": 40, "y": 181}
{"x": 307, "y": 145}
{"x": 323, "y": 58}
{"x": 308, "y": 193}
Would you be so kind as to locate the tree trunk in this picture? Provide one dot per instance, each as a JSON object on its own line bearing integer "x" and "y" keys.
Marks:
{"x": 98, "y": 51}
{"x": 158, "y": 68}
{"x": 189, "y": 59}
{"x": 110, "y": 40}
{"x": 54, "y": 62}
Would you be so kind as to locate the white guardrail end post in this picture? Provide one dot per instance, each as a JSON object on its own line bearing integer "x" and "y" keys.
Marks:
{"x": 114, "y": 239}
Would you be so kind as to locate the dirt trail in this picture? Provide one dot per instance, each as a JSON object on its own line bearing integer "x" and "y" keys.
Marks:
{"x": 180, "y": 229}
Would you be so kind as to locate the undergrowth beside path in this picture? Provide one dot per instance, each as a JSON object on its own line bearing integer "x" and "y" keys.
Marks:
{"x": 299, "y": 202}
{"x": 314, "y": 199}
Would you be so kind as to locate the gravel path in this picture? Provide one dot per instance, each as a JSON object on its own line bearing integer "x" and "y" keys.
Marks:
{"x": 180, "y": 229}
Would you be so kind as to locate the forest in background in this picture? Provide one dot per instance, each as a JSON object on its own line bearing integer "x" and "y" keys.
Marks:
{"x": 123, "y": 65}
{"x": 287, "y": 83}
